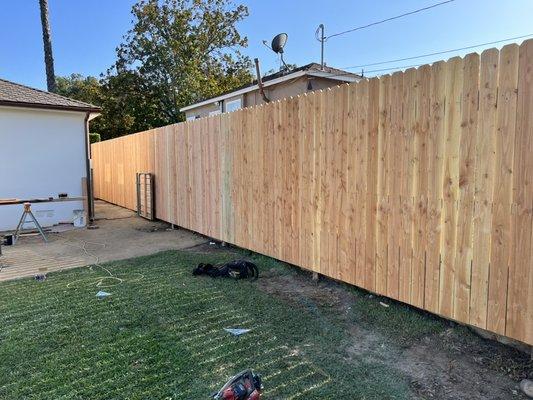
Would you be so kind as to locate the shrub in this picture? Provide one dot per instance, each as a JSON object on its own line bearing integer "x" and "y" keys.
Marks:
{"x": 94, "y": 137}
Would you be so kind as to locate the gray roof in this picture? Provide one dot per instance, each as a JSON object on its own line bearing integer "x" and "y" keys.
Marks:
{"x": 308, "y": 67}
{"x": 16, "y": 95}
{"x": 329, "y": 73}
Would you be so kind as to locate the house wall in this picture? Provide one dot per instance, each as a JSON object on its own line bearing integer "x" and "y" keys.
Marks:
{"x": 42, "y": 153}
{"x": 231, "y": 99}
{"x": 202, "y": 111}
{"x": 205, "y": 111}
{"x": 275, "y": 92}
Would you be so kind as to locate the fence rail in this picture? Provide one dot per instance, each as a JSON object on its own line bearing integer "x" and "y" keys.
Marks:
{"x": 417, "y": 186}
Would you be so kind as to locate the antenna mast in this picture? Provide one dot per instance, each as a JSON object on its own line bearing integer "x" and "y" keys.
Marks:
{"x": 321, "y": 39}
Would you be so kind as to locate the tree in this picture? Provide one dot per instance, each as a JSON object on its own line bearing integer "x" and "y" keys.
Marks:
{"x": 94, "y": 137}
{"x": 87, "y": 89}
{"x": 125, "y": 106}
{"x": 288, "y": 67}
{"x": 179, "y": 52}
{"x": 117, "y": 113}
{"x": 76, "y": 86}
{"x": 47, "y": 41}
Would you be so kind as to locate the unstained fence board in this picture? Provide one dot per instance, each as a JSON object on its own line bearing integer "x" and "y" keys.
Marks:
{"x": 415, "y": 185}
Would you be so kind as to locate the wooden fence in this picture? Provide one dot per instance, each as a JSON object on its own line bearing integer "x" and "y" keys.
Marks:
{"x": 416, "y": 186}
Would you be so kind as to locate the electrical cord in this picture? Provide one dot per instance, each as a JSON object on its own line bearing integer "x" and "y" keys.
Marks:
{"x": 100, "y": 281}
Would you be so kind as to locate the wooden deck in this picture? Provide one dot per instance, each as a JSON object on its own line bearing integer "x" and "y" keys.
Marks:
{"x": 30, "y": 259}
{"x": 121, "y": 235}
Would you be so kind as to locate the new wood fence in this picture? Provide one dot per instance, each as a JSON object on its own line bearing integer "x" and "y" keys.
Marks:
{"x": 416, "y": 186}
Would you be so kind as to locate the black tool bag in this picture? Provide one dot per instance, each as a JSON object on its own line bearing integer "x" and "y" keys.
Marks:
{"x": 236, "y": 269}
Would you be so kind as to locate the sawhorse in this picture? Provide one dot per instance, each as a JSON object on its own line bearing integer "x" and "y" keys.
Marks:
{"x": 27, "y": 212}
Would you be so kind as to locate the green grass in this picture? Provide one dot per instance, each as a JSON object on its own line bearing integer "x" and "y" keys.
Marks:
{"x": 160, "y": 336}
{"x": 399, "y": 322}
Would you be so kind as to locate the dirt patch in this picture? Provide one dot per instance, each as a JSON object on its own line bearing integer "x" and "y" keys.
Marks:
{"x": 299, "y": 288}
{"x": 452, "y": 364}
{"x": 442, "y": 361}
{"x": 441, "y": 374}
{"x": 159, "y": 227}
{"x": 209, "y": 246}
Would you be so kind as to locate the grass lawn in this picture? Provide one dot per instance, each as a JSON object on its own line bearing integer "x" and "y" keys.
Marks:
{"x": 160, "y": 336}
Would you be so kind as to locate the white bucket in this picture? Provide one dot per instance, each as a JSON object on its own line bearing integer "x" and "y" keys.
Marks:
{"x": 79, "y": 219}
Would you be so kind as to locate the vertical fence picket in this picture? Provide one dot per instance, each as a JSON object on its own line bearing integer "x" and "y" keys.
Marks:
{"x": 416, "y": 186}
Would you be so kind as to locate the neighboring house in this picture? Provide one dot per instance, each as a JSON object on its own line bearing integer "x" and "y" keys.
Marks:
{"x": 276, "y": 86}
{"x": 43, "y": 152}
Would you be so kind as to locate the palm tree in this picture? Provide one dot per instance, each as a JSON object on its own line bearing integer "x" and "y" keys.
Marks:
{"x": 48, "y": 57}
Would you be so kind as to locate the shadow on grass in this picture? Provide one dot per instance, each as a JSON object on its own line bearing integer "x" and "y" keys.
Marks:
{"x": 162, "y": 337}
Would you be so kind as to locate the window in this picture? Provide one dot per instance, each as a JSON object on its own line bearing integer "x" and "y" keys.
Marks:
{"x": 216, "y": 112}
{"x": 233, "y": 105}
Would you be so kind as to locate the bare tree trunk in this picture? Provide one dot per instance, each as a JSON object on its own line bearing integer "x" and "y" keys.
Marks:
{"x": 48, "y": 57}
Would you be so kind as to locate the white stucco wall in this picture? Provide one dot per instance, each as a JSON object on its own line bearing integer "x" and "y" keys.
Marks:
{"x": 42, "y": 153}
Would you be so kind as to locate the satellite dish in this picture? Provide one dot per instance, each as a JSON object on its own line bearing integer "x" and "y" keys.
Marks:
{"x": 278, "y": 43}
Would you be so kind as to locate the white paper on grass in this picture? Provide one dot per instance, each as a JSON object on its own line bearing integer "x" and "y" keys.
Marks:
{"x": 101, "y": 294}
{"x": 237, "y": 331}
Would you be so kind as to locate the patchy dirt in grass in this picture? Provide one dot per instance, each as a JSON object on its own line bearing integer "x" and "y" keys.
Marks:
{"x": 439, "y": 373}
{"x": 452, "y": 363}
{"x": 443, "y": 361}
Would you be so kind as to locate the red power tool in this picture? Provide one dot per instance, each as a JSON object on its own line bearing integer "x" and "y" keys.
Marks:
{"x": 246, "y": 385}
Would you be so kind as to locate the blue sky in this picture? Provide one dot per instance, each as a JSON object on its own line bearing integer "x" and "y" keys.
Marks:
{"x": 85, "y": 33}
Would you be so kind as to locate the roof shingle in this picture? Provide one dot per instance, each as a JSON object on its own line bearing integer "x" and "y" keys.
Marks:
{"x": 14, "y": 94}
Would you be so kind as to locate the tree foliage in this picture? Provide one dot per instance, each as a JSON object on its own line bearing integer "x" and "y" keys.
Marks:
{"x": 176, "y": 53}
{"x": 94, "y": 137}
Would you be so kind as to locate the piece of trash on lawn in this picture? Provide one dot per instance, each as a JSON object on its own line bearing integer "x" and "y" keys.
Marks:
{"x": 526, "y": 386}
{"x": 237, "y": 331}
{"x": 383, "y": 304}
{"x": 40, "y": 277}
{"x": 102, "y": 295}
{"x": 212, "y": 243}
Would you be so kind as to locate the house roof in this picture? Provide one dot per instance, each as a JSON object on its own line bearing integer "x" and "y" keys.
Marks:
{"x": 312, "y": 69}
{"x": 17, "y": 95}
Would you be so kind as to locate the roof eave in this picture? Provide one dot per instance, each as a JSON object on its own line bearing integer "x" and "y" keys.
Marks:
{"x": 321, "y": 74}
{"x": 244, "y": 90}
{"x": 49, "y": 106}
{"x": 336, "y": 77}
